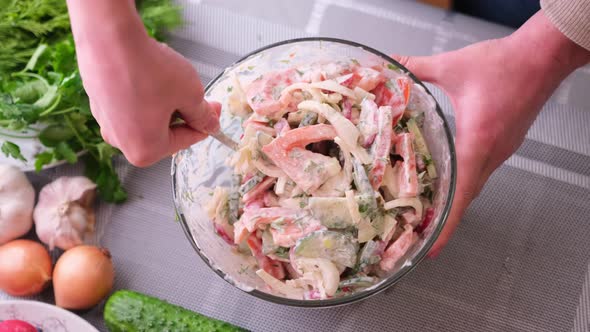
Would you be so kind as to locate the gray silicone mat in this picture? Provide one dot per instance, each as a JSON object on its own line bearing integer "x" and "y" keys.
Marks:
{"x": 519, "y": 261}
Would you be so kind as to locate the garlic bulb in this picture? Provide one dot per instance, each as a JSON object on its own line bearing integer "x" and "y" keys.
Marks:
{"x": 64, "y": 215}
{"x": 17, "y": 198}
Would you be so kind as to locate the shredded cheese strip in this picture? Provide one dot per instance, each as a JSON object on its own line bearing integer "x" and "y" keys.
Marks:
{"x": 280, "y": 186}
{"x": 269, "y": 170}
{"x": 366, "y": 231}
{"x": 359, "y": 153}
{"x": 353, "y": 207}
{"x": 332, "y": 85}
{"x": 332, "y": 98}
{"x": 390, "y": 180}
{"x": 412, "y": 201}
{"x": 344, "y": 128}
{"x": 388, "y": 227}
{"x": 315, "y": 93}
{"x": 237, "y": 103}
{"x": 323, "y": 271}
{"x": 361, "y": 94}
{"x": 217, "y": 202}
{"x": 279, "y": 286}
{"x": 315, "y": 89}
{"x": 241, "y": 161}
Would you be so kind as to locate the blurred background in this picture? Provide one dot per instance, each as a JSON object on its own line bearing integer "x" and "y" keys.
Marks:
{"x": 512, "y": 13}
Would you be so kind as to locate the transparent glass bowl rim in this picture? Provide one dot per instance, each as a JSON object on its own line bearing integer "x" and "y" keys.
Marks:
{"x": 391, "y": 280}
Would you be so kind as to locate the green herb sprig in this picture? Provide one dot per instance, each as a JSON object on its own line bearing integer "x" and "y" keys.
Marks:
{"x": 41, "y": 92}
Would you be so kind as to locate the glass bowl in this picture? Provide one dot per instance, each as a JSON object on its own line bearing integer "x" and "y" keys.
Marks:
{"x": 200, "y": 168}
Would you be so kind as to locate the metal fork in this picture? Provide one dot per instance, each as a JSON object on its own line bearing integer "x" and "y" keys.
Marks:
{"x": 220, "y": 136}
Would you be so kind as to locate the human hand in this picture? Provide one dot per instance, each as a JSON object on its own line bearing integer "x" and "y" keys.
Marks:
{"x": 136, "y": 84}
{"x": 497, "y": 88}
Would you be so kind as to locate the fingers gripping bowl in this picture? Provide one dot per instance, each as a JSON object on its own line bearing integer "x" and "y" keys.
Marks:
{"x": 343, "y": 182}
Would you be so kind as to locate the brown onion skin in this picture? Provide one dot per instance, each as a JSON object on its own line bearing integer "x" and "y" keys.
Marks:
{"x": 83, "y": 276}
{"x": 25, "y": 267}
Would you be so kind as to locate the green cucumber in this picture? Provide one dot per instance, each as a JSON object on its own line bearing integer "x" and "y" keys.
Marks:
{"x": 338, "y": 247}
{"x": 421, "y": 147}
{"x": 128, "y": 311}
{"x": 332, "y": 212}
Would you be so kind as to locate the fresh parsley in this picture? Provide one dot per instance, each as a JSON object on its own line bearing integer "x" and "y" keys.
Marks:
{"x": 392, "y": 66}
{"x": 40, "y": 87}
{"x": 12, "y": 150}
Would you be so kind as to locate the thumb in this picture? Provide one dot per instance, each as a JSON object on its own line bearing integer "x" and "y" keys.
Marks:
{"x": 181, "y": 137}
{"x": 426, "y": 68}
{"x": 202, "y": 116}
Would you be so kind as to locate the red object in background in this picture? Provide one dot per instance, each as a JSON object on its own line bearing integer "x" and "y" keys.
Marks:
{"x": 16, "y": 326}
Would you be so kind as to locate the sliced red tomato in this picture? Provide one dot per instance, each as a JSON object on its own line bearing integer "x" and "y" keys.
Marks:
{"x": 259, "y": 190}
{"x": 309, "y": 170}
{"x": 362, "y": 77}
{"x": 272, "y": 267}
{"x": 227, "y": 237}
{"x": 397, "y": 249}
{"x": 264, "y": 94}
{"x": 394, "y": 93}
{"x": 300, "y": 137}
{"x": 369, "y": 78}
{"x": 349, "y": 80}
{"x": 347, "y": 108}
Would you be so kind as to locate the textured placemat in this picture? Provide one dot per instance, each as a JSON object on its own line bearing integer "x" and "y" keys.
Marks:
{"x": 519, "y": 261}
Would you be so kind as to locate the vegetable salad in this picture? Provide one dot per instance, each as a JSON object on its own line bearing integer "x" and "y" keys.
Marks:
{"x": 333, "y": 181}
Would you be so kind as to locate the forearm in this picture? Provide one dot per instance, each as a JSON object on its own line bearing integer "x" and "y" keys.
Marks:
{"x": 103, "y": 26}
{"x": 540, "y": 44}
{"x": 538, "y": 57}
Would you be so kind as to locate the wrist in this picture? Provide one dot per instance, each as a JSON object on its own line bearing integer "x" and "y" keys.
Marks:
{"x": 105, "y": 25}
{"x": 540, "y": 44}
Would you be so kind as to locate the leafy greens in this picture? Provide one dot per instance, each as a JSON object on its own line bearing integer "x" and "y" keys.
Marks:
{"x": 41, "y": 92}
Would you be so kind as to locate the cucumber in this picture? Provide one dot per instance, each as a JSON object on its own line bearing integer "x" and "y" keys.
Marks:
{"x": 128, "y": 311}
{"x": 332, "y": 212}
{"x": 370, "y": 255}
{"x": 421, "y": 147}
{"x": 358, "y": 282}
{"x": 234, "y": 199}
{"x": 332, "y": 245}
{"x": 309, "y": 119}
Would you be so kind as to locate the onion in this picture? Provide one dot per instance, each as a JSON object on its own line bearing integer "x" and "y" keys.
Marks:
{"x": 25, "y": 268}
{"x": 83, "y": 276}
